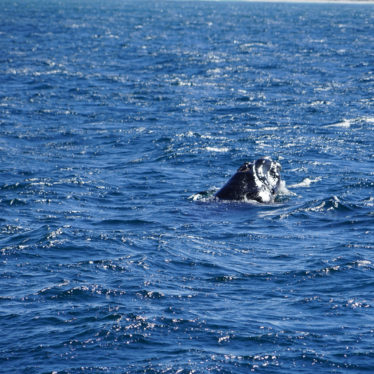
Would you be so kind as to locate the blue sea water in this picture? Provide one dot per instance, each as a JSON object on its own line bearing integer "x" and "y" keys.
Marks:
{"x": 114, "y": 115}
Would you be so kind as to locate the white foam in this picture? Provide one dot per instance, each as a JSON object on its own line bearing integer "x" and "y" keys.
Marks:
{"x": 368, "y": 119}
{"x": 370, "y": 202}
{"x": 217, "y": 149}
{"x": 188, "y": 134}
{"x": 363, "y": 263}
{"x": 306, "y": 182}
{"x": 196, "y": 197}
{"x": 274, "y": 128}
{"x": 205, "y": 196}
{"x": 346, "y": 123}
{"x": 284, "y": 191}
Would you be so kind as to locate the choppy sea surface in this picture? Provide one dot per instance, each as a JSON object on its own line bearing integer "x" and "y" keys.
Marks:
{"x": 114, "y": 115}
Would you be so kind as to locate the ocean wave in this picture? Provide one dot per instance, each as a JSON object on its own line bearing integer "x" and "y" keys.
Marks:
{"x": 308, "y": 209}
{"x": 348, "y": 123}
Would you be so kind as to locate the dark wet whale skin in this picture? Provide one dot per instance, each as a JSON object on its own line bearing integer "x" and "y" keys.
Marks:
{"x": 259, "y": 181}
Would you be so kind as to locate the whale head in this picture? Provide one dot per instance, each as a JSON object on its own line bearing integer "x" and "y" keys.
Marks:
{"x": 259, "y": 181}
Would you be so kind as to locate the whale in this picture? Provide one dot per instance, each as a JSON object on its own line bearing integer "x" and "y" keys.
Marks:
{"x": 259, "y": 181}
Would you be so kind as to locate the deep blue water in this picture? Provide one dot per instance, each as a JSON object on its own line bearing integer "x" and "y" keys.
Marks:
{"x": 113, "y": 116}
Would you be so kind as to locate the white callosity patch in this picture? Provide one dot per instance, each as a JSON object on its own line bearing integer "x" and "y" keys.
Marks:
{"x": 263, "y": 192}
{"x": 267, "y": 178}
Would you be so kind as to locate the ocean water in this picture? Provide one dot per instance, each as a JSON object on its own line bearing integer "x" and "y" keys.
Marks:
{"x": 114, "y": 115}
